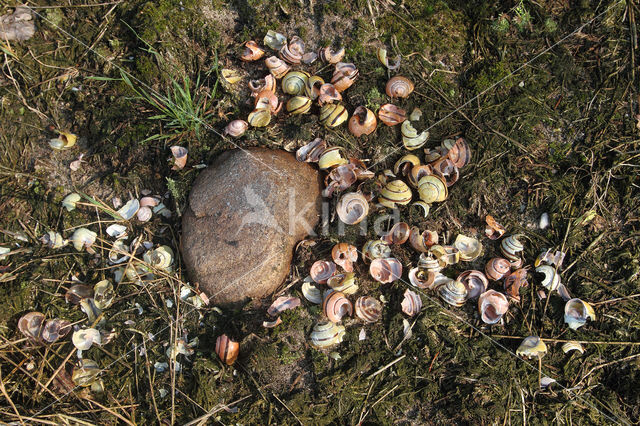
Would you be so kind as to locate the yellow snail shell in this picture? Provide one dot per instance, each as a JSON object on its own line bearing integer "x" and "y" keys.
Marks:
{"x": 381, "y": 53}
{"x": 331, "y": 157}
{"x": 368, "y": 309}
{"x": 259, "y": 117}
{"x": 344, "y": 255}
{"x": 399, "y": 87}
{"x": 399, "y": 234}
{"x": 326, "y": 333}
{"x": 274, "y": 40}
{"x": 422, "y": 279}
{"x": 395, "y": 192}
{"x": 492, "y": 305}
{"x": 65, "y": 140}
{"x": 312, "y": 87}
{"x": 470, "y": 248}
{"x": 497, "y": 268}
{"x": 352, "y": 208}
{"x": 298, "y": 105}
{"x": 335, "y": 306}
{"x": 363, "y": 122}
{"x": 375, "y": 249}
{"x": 345, "y": 283}
{"x": 453, "y": 292}
{"x": 386, "y": 270}
{"x": 294, "y": 82}
{"x": 311, "y": 292}
{"x": 405, "y": 164}
{"x": 333, "y": 115}
{"x": 411, "y": 304}
{"x": 330, "y": 56}
{"x": 446, "y": 255}
{"x": 432, "y": 189}
{"x": 344, "y": 76}
{"x": 532, "y": 347}
{"x": 277, "y": 67}
{"x": 227, "y": 349}
{"x": 475, "y": 282}
{"x": 230, "y": 76}
{"x": 322, "y": 270}
{"x": 236, "y": 128}
{"x": 576, "y": 312}
{"x": 252, "y": 52}
{"x": 391, "y": 115}
{"x": 292, "y": 52}
{"x": 328, "y": 94}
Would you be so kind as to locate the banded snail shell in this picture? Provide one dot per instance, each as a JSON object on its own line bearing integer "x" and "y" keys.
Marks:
{"x": 294, "y": 82}
{"x": 31, "y": 325}
{"x": 385, "y": 270}
{"x": 399, "y": 87}
{"x": 326, "y": 333}
{"x": 475, "y": 282}
{"x": 274, "y": 40}
{"x": 411, "y": 304}
{"x": 333, "y": 115}
{"x": 330, "y": 56}
{"x": 336, "y": 305}
{"x": 266, "y": 83}
{"x": 381, "y": 53}
{"x": 344, "y": 76}
{"x": 352, "y": 208}
{"x": 230, "y": 76}
{"x": 236, "y": 128}
{"x": 252, "y": 52}
{"x": 532, "y": 347}
{"x": 298, "y": 105}
{"x": 446, "y": 170}
{"x": 227, "y": 349}
{"x": 423, "y": 206}
{"x": 331, "y": 157}
{"x": 458, "y": 152}
{"x": 422, "y": 241}
{"x": 551, "y": 279}
{"x": 511, "y": 248}
{"x": 292, "y": 52}
{"x": 514, "y": 281}
{"x": 346, "y": 283}
{"x": 492, "y": 305}
{"x": 399, "y": 234}
{"x": 572, "y": 346}
{"x": 277, "y": 67}
{"x": 328, "y": 94}
{"x": 391, "y": 115}
{"x": 312, "y": 151}
{"x": 470, "y": 248}
{"x": 368, "y": 309}
{"x": 405, "y": 164}
{"x": 431, "y": 155}
{"x": 429, "y": 262}
{"x": 453, "y": 292}
{"x": 497, "y": 268}
{"x": 432, "y": 189}
{"x": 375, "y": 249}
{"x": 344, "y": 255}
{"x": 339, "y": 179}
{"x": 395, "y": 192}
{"x": 259, "y": 118}
{"x": 312, "y": 87}
{"x": 268, "y": 100}
{"x": 322, "y": 270}
{"x": 363, "y": 122}
{"x": 493, "y": 230}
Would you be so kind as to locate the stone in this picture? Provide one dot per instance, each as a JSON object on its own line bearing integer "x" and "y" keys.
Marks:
{"x": 246, "y": 212}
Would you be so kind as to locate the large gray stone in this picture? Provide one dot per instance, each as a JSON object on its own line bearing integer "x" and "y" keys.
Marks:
{"x": 246, "y": 213}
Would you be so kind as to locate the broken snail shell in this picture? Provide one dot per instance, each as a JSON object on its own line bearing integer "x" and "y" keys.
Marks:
{"x": 267, "y": 83}
{"x": 333, "y": 115}
{"x": 282, "y": 304}
{"x": 399, "y": 87}
{"x": 311, "y": 292}
{"x": 511, "y": 248}
{"x": 385, "y": 270}
{"x": 422, "y": 241}
{"x": 330, "y": 56}
{"x": 230, "y": 76}
{"x": 298, "y": 105}
{"x": 328, "y": 94}
{"x": 312, "y": 87}
{"x": 103, "y": 294}
{"x": 331, "y": 157}
{"x": 475, "y": 282}
{"x": 55, "y": 329}
{"x": 309, "y": 58}
{"x": 277, "y": 67}
{"x": 69, "y": 202}
{"x": 497, "y": 268}
{"x": 446, "y": 255}
{"x": 368, "y": 309}
{"x": 405, "y": 164}
{"x": 236, "y": 128}
{"x": 53, "y": 240}
{"x": 294, "y": 82}
{"x": 514, "y": 281}
{"x": 363, "y": 122}
{"x": 421, "y": 278}
{"x": 259, "y": 117}
{"x": 292, "y": 51}
{"x": 160, "y": 258}
{"x": 83, "y": 238}
{"x": 470, "y": 248}
{"x": 85, "y": 338}
{"x": 572, "y": 346}
{"x": 492, "y": 305}
{"x": 375, "y": 249}
{"x": 344, "y": 76}
{"x": 432, "y": 189}
{"x": 399, "y": 234}
{"x": 274, "y": 40}
{"x": 227, "y": 349}
{"x": 336, "y": 305}
{"x": 344, "y": 255}
{"x": 78, "y": 292}
{"x": 576, "y": 312}
{"x": 453, "y": 292}
{"x": 326, "y": 333}
{"x": 395, "y": 192}
{"x": 352, "y": 208}
{"x": 410, "y": 136}
{"x": 312, "y": 151}
{"x": 446, "y": 170}
{"x": 411, "y": 304}
{"x": 532, "y": 347}
{"x": 346, "y": 283}
{"x": 551, "y": 279}
{"x": 458, "y": 151}
{"x": 493, "y": 230}
{"x": 267, "y": 100}
{"x": 429, "y": 262}
{"x": 381, "y": 53}
{"x": 322, "y": 270}
{"x": 391, "y": 115}
{"x": 85, "y": 373}
{"x": 252, "y": 52}
{"x": 179, "y": 157}
{"x": 65, "y": 140}
{"x": 417, "y": 173}
{"x": 31, "y": 325}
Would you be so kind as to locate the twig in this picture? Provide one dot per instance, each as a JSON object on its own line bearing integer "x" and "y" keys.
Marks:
{"x": 285, "y": 406}
{"x": 386, "y": 367}
{"x": 6, "y": 395}
{"x": 213, "y": 411}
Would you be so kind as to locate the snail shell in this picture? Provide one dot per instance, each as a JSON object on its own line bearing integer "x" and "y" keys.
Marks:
{"x": 551, "y": 279}
{"x": 333, "y": 115}
{"x": 399, "y": 234}
{"x": 328, "y": 94}
{"x": 475, "y": 282}
{"x": 259, "y": 117}
{"x": 292, "y": 52}
{"x": 572, "y": 346}
{"x": 410, "y": 136}
{"x": 294, "y": 82}
{"x": 493, "y": 230}
{"x": 514, "y": 281}
{"x": 331, "y": 57}
{"x": 453, "y": 292}
{"x": 230, "y": 76}
{"x": 179, "y": 157}
{"x": 252, "y": 52}
{"x": 458, "y": 151}
{"x": 470, "y": 248}
{"x": 424, "y": 207}
{"x": 268, "y": 83}
{"x": 93, "y": 313}
{"x": 282, "y": 304}
{"x": 55, "y": 329}
{"x": 85, "y": 373}
{"x": 446, "y": 255}
{"x": 274, "y": 40}
{"x": 309, "y": 58}
{"x": 84, "y": 339}
{"x": 411, "y": 304}
{"x": 340, "y": 178}
{"x": 492, "y": 306}
{"x": 53, "y": 240}
{"x": 421, "y": 278}
{"x": 236, "y": 128}
{"x": 78, "y": 292}
{"x": 322, "y": 270}
{"x": 386, "y": 270}
{"x": 298, "y": 105}
{"x": 267, "y": 100}
{"x": 531, "y": 347}
{"x": 336, "y": 305}
{"x": 84, "y": 238}
{"x": 160, "y": 258}
{"x": 312, "y": 151}
{"x": 395, "y": 192}
{"x": 446, "y": 170}
{"x": 399, "y": 87}
{"x": 368, "y": 309}
{"x": 363, "y": 122}
{"x": 312, "y": 293}
{"x": 391, "y": 115}
{"x": 144, "y": 213}
{"x": 418, "y": 172}
{"x": 405, "y": 164}
{"x": 277, "y": 67}
{"x": 227, "y": 349}
{"x": 432, "y": 189}
{"x": 381, "y": 53}
{"x": 511, "y": 248}
{"x": 422, "y": 241}
{"x": 103, "y": 294}
{"x": 331, "y": 157}
{"x": 345, "y": 283}
{"x": 344, "y": 76}
{"x": 65, "y": 140}
{"x": 69, "y": 202}
{"x": 344, "y": 255}
{"x": 576, "y": 312}
{"x": 352, "y": 208}
{"x": 429, "y": 262}
{"x": 31, "y": 325}
{"x": 312, "y": 87}
{"x": 326, "y": 333}
{"x": 497, "y": 268}
{"x": 375, "y": 249}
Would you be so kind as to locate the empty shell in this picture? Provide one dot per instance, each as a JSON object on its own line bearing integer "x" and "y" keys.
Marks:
{"x": 492, "y": 306}
{"x": 470, "y": 248}
{"x": 391, "y": 115}
{"x": 330, "y": 56}
{"x": 422, "y": 241}
{"x": 511, "y": 248}
{"x": 129, "y": 210}
{"x": 103, "y": 294}
{"x": 277, "y": 67}
{"x": 230, "y": 76}
{"x": 292, "y": 52}
{"x": 311, "y": 292}
{"x": 179, "y": 157}
{"x": 493, "y": 230}
{"x": 514, "y": 281}
{"x": 83, "y": 238}
{"x": 259, "y": 117}
{"x": 497, "y": 268}
{"x": 572, "y": 346}
{"x": 395, "y": 192}
{"x": 432, "y": 189}
{"x": 31, "y": 325}
{"x": 368, "y": 309}
{"x": 344, "y": 255}
{"x": 312, "y": 151}
{"x": 294, "y": 82}
{"x": 375, "y": 249}
{"x": 312, "y": 87}
{"x": 252, "y": 52}
{"x": 532, "y": 347}
{"x": 551, "y": 279}
{"x": 475, "y": 282}
{"x": 84, "y": 339}
{"x": 227, "y": 349}
{"x": 352, "y": 208}
{"x": 332, "y": 157}
{"x": 399, "y": 87}
{"x": 333, "y": 115}
{"x": 422, "y": 279}
{"x": 326, "y": 333}
{"x": 410, "y": 136}
{"x": 322, "y": 270}
{"x": 453, "y": 292}
{"x": 346, "y": 283}
{"x": 55, "y": 329}
{"x": 298, "y": 105}
{"x": 336, "y": 305}
{"x": 78, "y": 292}
{"x": 328, "y": 94}
{"x": 411, "y": 304}
{"x": 53, "y": 240}
{"x": 274, "y": 40}
{"x": 399, "y": 234}
{"x": 69, "y": 202}
{"x": 236, "y": 128}
{"x": 282, "y": 304}
{"x": 85, "y": 373}
{"x": 385, "y": 270}
{"x": 362, "y": 122}
{"x": 576, "y": 312}
{"x": 344, "y": 76}
{"x": 381, "y": 53}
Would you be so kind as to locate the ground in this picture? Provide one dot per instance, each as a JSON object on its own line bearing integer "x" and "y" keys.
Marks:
{"x": 546, "y": 94}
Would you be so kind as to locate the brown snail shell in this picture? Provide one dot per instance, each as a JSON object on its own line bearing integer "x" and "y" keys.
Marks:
{"x": 363, "y": 122}
{"x": 322, "y": 270}
{"x": 328, "y": 94}
{"x": 352, "y": 208}
{"x": 385, "y": 270}
{"x": 312, "y": 151}
{"x": 458, "y": 152}
{"x": 391, "y": 115}
{"x": 55, "y": 329}
{"x": 493, "y": 230}
{"x": 227, "y": 349}
{"x": 399, "y": 234}
{"x": 78, "y": 292}
{"x": 492, "y": 305}
{"x": 266, "y": 83}
{"x": 339, "y": 179}
{"x": 399, "y": 87}
{"x": 330, "y": 56}
{"x": 282, "y": 304}
{"x": 236, "y": 128}
{"x": 336, "y": 305}
{"x": 446, "y": 170}
{"x": 344, "y": 76}
{"x": 31, "y": 325}
{"x": 497, "y": 268}
{"x": 368, "y": 309}
{"x": 514, "y": 281}
{"x": 475, "y": 282}
{"x": 268, "y": 100}
{"x": 277, "y": 67}
{"x": 411, "y": 304}
{"x": 422, "y": 241}
{"x": 179, "y": 157}
{"x": 252, "y": 52}
{"x": 292, "y": 52}
{"x": 344, "y": 255}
